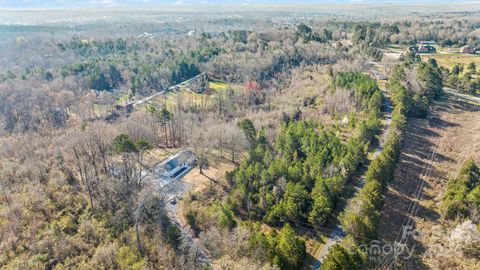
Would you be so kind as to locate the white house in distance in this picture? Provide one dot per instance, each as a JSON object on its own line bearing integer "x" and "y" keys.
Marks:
{"x": 176, "y": 165}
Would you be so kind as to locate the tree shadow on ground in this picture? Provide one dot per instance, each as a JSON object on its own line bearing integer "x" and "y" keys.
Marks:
{"x": 411, "y": 175}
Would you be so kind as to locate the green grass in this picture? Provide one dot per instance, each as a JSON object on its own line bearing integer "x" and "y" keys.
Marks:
{"x": 192, "y": 98}
{"x": 188, "y": 98}
{"x": 218, "y": 85}
{"x": 449, "y": 60}
{"x": 99, "y": 108}
{"x": 448, "y": 50}
{"x": 122, "y": 99}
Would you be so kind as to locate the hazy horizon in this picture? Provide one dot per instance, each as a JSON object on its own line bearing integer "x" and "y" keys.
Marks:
{"x": 75, "y": 4}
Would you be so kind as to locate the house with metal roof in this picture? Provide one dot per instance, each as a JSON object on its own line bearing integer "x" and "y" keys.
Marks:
{"x": 176, "y": 165}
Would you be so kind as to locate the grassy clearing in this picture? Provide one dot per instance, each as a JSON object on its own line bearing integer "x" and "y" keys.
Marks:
{"x": 100, "y": 109}
{"x": 453, "y": 144}
{"x": 448, "y": 50}
{"x": 449, "y": 60}
{"x": 188, "y": 98}
{"x": 191, "y": 98}
{"x": 124, "y": 98}
{"x": 217, "y": 170}
{"x": 382, "y": 84}
{"x": 440, "y": 50}
{"x": 218, "y": 85}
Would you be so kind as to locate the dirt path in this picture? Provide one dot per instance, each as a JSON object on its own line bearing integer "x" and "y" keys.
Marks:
{"x": 462, "y": 96}
{"x": 433, "y": 150}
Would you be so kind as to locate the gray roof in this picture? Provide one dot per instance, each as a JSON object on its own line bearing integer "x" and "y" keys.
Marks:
{"x": 176, "y": 160}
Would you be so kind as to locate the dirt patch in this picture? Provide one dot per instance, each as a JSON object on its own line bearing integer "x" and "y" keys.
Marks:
{"x": 213, "y": 175}
{"x": 433, "y": 151}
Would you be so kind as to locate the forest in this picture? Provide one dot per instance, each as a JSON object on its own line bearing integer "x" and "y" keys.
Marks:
{"x": 282, "y": 118}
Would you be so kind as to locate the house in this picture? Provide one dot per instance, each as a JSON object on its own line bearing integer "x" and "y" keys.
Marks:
{"x": 426, "y": 49}
{"x": 175, "y": 165}
{"x": 146, "y": 35}
{"x": 468, "y": 49}
{"x": 423, "y": 48}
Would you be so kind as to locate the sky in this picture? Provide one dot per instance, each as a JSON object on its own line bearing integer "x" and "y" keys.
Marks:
{"x": 25, "y": 4}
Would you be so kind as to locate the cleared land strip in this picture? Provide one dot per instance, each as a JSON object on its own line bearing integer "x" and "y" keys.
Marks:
{"x": 451, "y": 132}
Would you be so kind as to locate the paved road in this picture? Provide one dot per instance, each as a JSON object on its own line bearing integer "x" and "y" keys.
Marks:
{"x": 338, "y": 234}
{"x": 460, "y": 95}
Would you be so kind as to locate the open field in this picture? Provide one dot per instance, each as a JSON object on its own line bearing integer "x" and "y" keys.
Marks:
{"x": 100, "y": 109}
{"x": 445, "y": 56}
{"x": 452, "y": 134}
{"x": 170, "y": 98}
{"x": 203, "y": 100}
{"x": 449, "y": 60}
{"x": 218, "y": 85}
{"x": 216, "y": 171}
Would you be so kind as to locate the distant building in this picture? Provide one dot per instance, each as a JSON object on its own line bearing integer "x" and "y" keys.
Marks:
{"x": 426, "y": 49}
{"x": 468, "y": 49}
{"x": 423, "y": 48}
{"x": 428, "y": 42}
{"x": 146, "y": 35}
{"x": 175, "y": 165}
